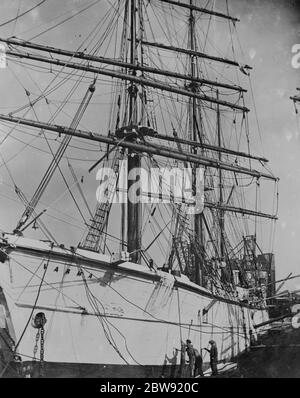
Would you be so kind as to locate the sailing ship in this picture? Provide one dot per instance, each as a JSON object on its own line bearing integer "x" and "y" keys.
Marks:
{"x": 144, "y": 275}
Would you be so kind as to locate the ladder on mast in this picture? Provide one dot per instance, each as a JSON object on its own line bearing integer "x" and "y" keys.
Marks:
{"x": 94, "y": 237}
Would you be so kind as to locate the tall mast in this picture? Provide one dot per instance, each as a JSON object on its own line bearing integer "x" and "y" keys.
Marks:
{"x": 134, "y": 241}
{"x": 198, "y": 220}
{"x": 221, "y": 211}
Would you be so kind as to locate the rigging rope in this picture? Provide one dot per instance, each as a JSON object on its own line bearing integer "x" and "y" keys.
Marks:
{"x": 22, "y": 14}
{"x": 65, "y": 20}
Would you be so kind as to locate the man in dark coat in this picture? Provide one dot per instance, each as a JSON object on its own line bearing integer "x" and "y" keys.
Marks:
{"x": 195, "y": 360}
{"x": 213, "y": 357}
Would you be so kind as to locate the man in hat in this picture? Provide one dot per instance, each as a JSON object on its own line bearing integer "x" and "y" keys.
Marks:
{"x": 195, "y": 360}
{"x": 213, "y": 352}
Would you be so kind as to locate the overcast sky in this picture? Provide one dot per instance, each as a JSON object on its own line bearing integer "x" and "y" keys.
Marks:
{"x": 267, "y": 31}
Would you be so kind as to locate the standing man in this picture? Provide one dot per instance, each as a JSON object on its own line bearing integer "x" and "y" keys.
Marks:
{"x": 195, "y": 360}
{"x": 213, "y": 357}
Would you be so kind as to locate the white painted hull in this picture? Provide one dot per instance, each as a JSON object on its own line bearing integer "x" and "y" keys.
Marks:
{"x": 116, "y": 314}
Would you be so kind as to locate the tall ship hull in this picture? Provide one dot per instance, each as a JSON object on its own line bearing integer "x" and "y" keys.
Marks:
{"x": 109, "y": 320}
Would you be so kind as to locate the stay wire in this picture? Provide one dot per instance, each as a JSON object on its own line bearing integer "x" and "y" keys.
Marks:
{"x": 22, "y": 14}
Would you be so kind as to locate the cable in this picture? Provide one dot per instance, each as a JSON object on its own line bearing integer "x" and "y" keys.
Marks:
{"x": 18, "y": 14}
{"x": 22, "y": 14}
{"x": 65, "y": 20}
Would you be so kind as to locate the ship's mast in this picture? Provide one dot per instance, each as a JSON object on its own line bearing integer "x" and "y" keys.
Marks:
{"x": 197, "y": 219}
{"x": 134, "y": 208}
{"x": 221, "y": 211}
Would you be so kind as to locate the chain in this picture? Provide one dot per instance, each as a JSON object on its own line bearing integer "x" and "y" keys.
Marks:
{"x": 42, "y": 351}
{"x": 35, "y": 348}
{"x": 40, "y": 335}
{"x": 42, "y": 344}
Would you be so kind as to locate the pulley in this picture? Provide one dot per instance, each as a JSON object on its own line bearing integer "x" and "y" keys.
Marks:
{"x": 39, "y": 321}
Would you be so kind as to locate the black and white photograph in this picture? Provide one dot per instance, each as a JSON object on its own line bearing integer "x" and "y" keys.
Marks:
{"x": 149, "y": 192}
